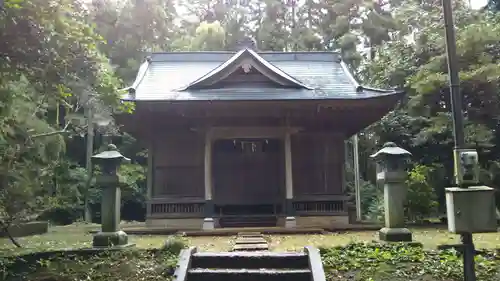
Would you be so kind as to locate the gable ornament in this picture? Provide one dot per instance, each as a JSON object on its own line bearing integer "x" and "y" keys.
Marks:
{"x": 246, "y": 67}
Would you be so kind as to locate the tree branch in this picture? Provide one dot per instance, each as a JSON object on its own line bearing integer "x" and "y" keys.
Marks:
{"x": 64, "y": 130}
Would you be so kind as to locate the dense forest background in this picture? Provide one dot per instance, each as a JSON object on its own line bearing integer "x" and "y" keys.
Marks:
{"x": 63, "y": 60}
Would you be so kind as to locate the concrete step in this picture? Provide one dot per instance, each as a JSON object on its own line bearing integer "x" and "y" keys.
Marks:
{"x": 249, "y": 260}
{"x": 244, "y": 274}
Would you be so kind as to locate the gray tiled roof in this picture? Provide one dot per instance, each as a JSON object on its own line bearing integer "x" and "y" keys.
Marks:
{"x": 163, "y": 76}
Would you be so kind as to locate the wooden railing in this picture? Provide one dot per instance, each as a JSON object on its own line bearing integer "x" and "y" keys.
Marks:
{"x": 176, "y": 208}
{"x": 324, "y": 207}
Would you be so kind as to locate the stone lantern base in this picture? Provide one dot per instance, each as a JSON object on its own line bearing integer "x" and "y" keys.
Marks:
{"x": 110, "y": 239}
{"x": 290, "y": 222}
{"x": 395, "y": 234}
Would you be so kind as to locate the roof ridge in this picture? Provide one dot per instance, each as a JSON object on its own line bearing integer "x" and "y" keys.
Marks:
{"x": 234, "y": 52}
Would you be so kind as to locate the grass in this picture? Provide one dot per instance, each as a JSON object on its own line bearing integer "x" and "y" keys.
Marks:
{"x": 343, "y": 257}
{"x": 77, "y": 236}
{"x": 430, "y": 238}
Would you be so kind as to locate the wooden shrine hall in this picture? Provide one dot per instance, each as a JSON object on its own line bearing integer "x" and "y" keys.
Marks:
{"x": 248, "y": 138}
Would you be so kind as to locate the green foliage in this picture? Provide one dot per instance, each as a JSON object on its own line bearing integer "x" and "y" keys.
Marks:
{"x": 415, "y": 60}
{"x": 398, "y": 262}
{"x": 50, "y": 65}
{"x": 369, "y": 193}
{"x": 421, "y": 200}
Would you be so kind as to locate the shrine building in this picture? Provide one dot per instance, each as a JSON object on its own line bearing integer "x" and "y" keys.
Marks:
{"x": 248, "y": 138}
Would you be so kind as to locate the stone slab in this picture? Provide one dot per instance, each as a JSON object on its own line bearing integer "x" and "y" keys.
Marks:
{"x": 255, "y": 233}
{"x": 250, "y": 235}
{"x": 250, "y": 239}
{"x": 117, "y": 247}
{"x": 258, "y": 241}
{"x": 251, "y": 247}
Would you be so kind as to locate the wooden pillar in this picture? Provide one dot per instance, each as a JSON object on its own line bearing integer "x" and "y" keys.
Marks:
{"x": 288, "y": 174}
{"x": 208, "y": 222}
{"x": 208, "y": 167}
{"x": 149, "y": 180}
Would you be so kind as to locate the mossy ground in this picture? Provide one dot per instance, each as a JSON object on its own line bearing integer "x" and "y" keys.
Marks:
{"x": 345, "y": 255}
{"x": 399, "y": 262}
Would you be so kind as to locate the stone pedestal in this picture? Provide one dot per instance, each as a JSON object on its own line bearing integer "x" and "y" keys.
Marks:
{"x": 110, "y": 239}
{"x": 290, "y": 222}
{"x": 208, "y": 224}
{"x": 395, "y": 234}
{"x": 394, "y": 230}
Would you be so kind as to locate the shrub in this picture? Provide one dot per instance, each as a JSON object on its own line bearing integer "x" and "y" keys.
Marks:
{"x": 62, "y": 215}
{"x": 421, "y": 201}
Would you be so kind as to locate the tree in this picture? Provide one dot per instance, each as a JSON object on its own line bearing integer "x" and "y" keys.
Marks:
{"x": 416, "y": 61}
{"x": 50, "y": 63}
{"x": 493, "y": 5}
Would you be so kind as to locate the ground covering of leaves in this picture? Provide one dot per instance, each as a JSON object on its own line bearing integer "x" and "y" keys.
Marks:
{"x": 347, "y": 256}
{"x": 126, "y": 265}
{"x": 399, "y": 262}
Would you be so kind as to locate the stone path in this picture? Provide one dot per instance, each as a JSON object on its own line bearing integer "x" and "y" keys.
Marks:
{"x": 250, "y": 241}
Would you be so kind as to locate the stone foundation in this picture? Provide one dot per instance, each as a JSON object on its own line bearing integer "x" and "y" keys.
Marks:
{"x": 176, "y": 224}
{"x": 317, "y": 221}
{"x": 300, "y": 222}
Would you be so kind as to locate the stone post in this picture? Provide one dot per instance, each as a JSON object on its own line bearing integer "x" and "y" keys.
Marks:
{"x": 391, "y": 171}
{"x": 110, "y": 234}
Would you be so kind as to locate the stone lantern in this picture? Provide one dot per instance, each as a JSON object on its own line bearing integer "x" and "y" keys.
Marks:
{"x": 110, "y": 234}
{"x": 392, "y": 162}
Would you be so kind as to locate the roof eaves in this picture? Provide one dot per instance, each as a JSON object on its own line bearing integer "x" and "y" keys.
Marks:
{"x": 143, "y": 69}
{"x": 381, "y": 90}
{"x": 353, "y": 80}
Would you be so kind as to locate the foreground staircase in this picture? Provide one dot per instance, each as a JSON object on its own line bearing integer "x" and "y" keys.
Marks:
{"x": 249, "y": 265}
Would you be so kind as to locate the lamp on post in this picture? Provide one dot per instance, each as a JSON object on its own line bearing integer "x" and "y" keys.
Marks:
{"x": 470, "y": 209}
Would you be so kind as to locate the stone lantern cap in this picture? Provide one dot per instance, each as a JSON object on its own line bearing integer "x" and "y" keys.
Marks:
{"x": 390, "y": 149}
{"x": 111, "y": 154}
